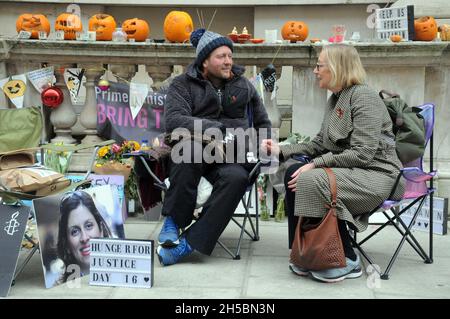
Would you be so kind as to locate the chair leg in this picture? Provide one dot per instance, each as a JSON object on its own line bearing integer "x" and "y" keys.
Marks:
{"x": 234, "y": 256}
{"x": 407, "y": 235}
{"x": 27, "y": 259}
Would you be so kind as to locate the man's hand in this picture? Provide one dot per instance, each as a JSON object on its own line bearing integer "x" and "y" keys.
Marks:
{"x": 292, "y": 184}
{"x": 270, "y": 147}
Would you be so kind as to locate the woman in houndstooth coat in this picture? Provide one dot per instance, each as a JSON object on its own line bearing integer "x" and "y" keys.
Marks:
{"x": 356, "y": 141}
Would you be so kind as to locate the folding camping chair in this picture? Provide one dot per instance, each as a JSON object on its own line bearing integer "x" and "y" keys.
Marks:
{"x": 417, "y": 191}
{"x": 10, "y": 197}
{"x": 145, "y": 158}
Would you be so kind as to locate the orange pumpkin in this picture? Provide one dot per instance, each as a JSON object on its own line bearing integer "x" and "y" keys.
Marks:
{"x": 33, "y": 23}
{"x": 178, "y": 26}
{"x": 294, "y": 31}
{"x": 396, "y": 38}
{"x": 103, "y": 25}
{"x": 70, "y": 24}
{"x": 136, "y": 29}
{"x": 425, "y": 29}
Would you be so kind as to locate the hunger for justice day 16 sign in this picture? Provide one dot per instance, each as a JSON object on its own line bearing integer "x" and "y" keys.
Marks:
{"x": 121, "y": 263}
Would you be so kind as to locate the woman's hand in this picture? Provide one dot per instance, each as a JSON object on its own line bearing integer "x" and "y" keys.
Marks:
{"x": 292, "y": 184}
{"x": 270, "y": 147}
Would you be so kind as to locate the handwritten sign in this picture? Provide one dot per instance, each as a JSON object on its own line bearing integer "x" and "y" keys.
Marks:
{"x": 390, "y": 21}
{"x": 422, "y": 222}
{"x": 121, "y": 263}
{"x": 13, "y": 221}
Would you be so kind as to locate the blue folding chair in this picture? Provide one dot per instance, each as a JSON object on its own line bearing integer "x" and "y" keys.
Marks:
{"x": 419, "y": 187}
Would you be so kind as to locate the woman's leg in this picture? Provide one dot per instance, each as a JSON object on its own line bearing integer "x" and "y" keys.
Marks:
{"x": 290, "y": 202}
{"x": 346, "y": 241}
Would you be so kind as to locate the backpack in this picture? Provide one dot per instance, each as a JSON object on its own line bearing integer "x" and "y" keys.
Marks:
{"x": 408, "y": 127}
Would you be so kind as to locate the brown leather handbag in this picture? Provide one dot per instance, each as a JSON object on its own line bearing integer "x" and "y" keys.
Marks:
{"x": 319, "y": 246}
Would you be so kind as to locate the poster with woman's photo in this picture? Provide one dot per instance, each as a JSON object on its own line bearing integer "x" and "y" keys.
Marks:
{"x": 67, "y": 222}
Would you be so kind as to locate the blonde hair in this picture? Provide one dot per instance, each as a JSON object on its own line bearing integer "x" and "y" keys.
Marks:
{"x": 345, "y": 65}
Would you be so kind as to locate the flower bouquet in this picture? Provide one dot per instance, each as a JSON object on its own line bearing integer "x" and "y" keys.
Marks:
{"x": 110, "y": 160}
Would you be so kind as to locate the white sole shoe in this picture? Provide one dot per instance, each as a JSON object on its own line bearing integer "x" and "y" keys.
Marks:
{"x": 298, "y": 271}
{"x": 355, "y": 273}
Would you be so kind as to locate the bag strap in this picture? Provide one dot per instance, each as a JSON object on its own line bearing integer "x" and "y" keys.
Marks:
{"x": 333, "y": 187}
{"x": 388, "y": 93}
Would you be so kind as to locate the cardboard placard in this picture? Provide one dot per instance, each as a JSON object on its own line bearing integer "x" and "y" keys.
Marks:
{"x": 13, "y": 221}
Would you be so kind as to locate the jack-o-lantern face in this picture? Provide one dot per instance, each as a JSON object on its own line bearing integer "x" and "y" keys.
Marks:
{"x": 70, "y": 24}
{"x": 425, "y": 29}
{"x": 103, "y": 25}
{"x": 136, "y": 29}
{"x": 294, "y": 31}
{"x": 33, "y": 23}
{"x": 178, "y": 26}
{"x": 14, "y": 88}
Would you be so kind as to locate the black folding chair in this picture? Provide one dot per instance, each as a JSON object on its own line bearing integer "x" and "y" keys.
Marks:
{"x": 419, "y": 187}
{"x": 146, "y": 160}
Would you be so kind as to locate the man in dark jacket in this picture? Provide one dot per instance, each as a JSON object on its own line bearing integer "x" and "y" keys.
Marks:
{"x": 213, "y": 94}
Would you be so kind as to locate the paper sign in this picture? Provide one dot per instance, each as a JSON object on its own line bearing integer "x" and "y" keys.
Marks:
{"x": 121, "y": 263}
{"x": 75, "y": 81}
{"x": 42, "y": 78}
{"x": 138, "y": 93}
{"x": 24, "y": 34}
{"x": 42, "y": 35}
{"x": 14, "y": 88}
{"x": 97, "y": 180}
{"x": 59, "y": 35}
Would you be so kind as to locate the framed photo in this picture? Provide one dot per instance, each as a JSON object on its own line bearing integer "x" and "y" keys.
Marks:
{"x": 67, "y": 222}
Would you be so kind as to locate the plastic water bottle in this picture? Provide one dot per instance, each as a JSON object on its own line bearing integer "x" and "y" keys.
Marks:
{"x": 144, "y": 145}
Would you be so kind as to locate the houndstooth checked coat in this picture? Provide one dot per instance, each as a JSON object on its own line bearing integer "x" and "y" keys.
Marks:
{"x": 357, "y": 142}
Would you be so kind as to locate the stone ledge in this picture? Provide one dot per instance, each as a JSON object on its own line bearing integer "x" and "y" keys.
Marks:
{"x": 298, "y": 54}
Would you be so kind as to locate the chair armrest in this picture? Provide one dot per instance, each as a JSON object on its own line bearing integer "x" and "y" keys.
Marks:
{"x": 416, "y": 175}
{"x": 301, "y": 158}
{"x": 136, "y": 154}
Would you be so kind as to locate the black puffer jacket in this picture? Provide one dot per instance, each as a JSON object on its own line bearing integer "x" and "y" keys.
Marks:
{"x": 190, "y": 97}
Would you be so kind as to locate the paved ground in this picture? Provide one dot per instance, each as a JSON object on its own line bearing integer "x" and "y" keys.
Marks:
{"x": 262, "y": 272}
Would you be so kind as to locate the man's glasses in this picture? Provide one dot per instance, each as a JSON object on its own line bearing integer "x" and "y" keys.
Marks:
{"x": 319, "y": 65}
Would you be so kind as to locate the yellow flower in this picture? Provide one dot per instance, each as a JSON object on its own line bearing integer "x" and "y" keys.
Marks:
{"x": 98, "y": 165}
{"x": 135, "y": 145}
{"x": 103, "y": 151}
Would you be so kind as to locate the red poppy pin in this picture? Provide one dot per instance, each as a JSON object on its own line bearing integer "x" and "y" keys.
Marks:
{"x": 233, "y": 99}
{"x": 340, "y": 112}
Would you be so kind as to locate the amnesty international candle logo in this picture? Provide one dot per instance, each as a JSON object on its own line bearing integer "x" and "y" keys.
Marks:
{"x": 12, "y": 226}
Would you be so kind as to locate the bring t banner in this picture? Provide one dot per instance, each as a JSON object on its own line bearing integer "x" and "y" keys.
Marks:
{"x": 114, "y": 119}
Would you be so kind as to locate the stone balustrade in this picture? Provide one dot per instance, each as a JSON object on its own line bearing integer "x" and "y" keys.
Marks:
{"x": 418, "y": 71}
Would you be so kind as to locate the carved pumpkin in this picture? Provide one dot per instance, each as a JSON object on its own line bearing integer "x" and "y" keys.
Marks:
{"x": 294, "y": 31}
{"x": 70, "y": 24}
{"x": 178, "y": 26}
{"x": 444, "y": 31}
{"x": 103, "y": 25}
{"x": 425, "y": 29}
{"x": 136, "y": 29}
{"x": 33, "y": 23}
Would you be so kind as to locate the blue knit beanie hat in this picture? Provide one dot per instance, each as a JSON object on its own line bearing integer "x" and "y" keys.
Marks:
{"x": 205, "y": 42}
